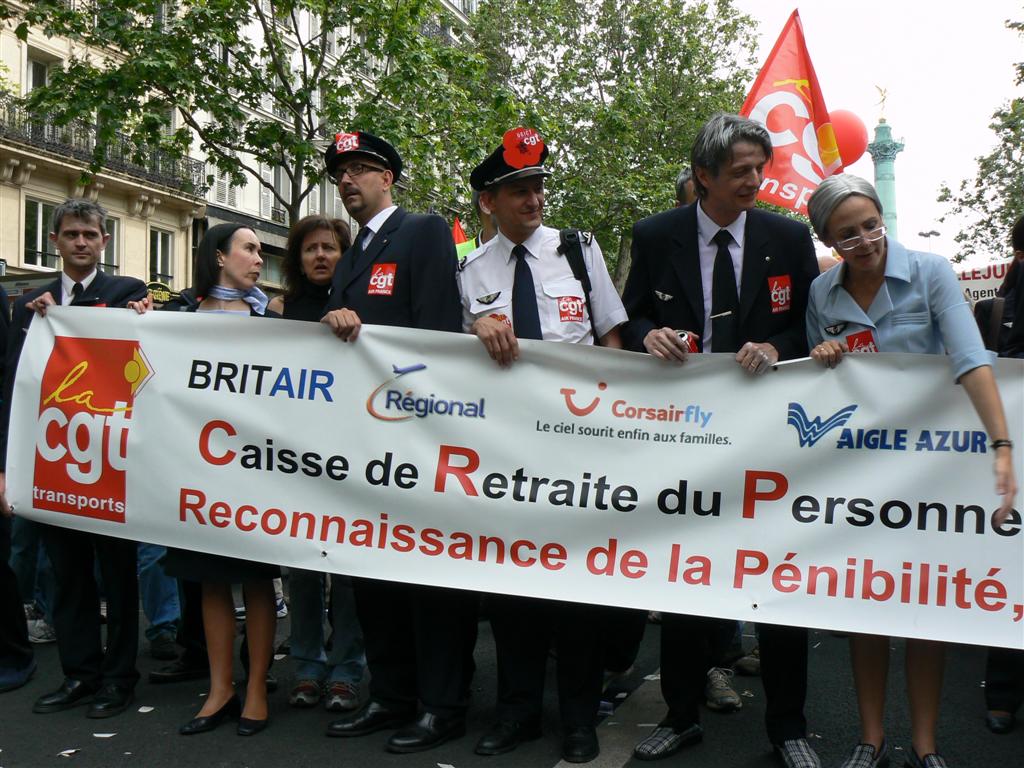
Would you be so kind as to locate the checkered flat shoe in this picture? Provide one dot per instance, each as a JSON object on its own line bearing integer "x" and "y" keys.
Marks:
{"x": 864, "y": 756}
{"x": 797, "y": 753}
{"x": 665, "y": 741}
{"x": 933, "y": 760}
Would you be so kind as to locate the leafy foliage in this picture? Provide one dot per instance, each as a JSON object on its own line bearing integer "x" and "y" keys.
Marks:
{"x": 619, "y": 88}
{"x": 260, "y": 82}
{"x": 994, "y": 198}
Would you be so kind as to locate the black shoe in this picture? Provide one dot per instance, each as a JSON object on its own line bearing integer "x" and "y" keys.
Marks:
{"x": 110, "y": 700}
{"x": 247, "y": 727}
{"x": 71, "y": 693}
{"x": 374, "y": 717}
{"x": 427, "y": 732}
{"x": 580, "y": 744}
{"x": 232, "y": 708}
{"x": 506, "y": 735}
{"x": 178, "y": 672}
{"x": 1002, "y": 723}
{"x": 163, "y": 648}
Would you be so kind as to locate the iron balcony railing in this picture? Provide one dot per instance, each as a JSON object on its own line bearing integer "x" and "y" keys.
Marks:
{"x": 78, "y": 140}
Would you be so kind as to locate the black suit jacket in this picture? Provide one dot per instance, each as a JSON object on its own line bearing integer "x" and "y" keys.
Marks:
{"x": 103, "y": 291}
{"x": 419, "y": 252}
{"x": 664, "y": 286}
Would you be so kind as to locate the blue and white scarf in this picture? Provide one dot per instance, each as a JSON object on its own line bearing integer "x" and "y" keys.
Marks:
{"x": 254, "y": 297}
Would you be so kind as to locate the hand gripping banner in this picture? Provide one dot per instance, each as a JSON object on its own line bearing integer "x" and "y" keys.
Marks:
{"x": 857, "y": 499}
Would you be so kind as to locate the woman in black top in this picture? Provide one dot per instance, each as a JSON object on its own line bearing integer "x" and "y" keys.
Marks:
{"x": 315, "y": 245}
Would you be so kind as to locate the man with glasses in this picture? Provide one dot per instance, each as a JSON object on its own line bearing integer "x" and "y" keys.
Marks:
{"x": 400, "y": 271}
{"x": 736, "y": 278}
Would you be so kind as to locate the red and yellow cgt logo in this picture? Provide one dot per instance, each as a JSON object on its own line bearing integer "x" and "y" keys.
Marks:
{"x": 86, "y": 399}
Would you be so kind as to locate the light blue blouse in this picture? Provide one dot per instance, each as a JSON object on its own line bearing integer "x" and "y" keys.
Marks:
{"x": 919, "y": 308}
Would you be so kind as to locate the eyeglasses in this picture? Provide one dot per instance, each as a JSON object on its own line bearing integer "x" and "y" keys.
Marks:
{"x": 851, "y": 243}
{"x": 354, "y": 170}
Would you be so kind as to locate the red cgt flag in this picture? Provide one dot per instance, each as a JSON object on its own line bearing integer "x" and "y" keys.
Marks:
{"x": 458, "y": 233}
{"x": 787, "y": 100}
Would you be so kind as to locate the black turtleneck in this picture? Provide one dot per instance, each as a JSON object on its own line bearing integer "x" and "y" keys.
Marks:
{"x": 309, "y": 304}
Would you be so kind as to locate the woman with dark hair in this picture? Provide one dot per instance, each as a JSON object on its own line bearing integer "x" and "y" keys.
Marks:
{"x": 886, "y": 298}
{"x": 227, "y": 268}
{"x": 315, "y": 245}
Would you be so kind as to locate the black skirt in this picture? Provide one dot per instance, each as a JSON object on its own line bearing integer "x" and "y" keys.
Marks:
{"x": 188, "y": 565}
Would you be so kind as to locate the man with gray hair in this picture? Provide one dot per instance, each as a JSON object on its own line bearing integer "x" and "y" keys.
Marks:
{"x": 685, "y": 193}
{"x": 107, "y": 675}
{"x": 736, "y": 280}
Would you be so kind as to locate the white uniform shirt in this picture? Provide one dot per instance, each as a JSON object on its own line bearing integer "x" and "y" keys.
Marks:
{"x": 373, "y": 225}
{"x": 67, "y": 286}
{"x": 486, "y": 280}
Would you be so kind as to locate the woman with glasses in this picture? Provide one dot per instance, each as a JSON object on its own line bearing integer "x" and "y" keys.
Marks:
{"x": 885, "y": 298}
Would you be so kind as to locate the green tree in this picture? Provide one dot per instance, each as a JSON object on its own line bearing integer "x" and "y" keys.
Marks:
{"x": 619, "y": 89}
{"x": 994, "y": 198}
{"x": 262, "y": 84}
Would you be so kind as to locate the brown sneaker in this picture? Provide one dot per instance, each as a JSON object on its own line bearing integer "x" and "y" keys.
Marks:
{"x": 341, "y": 697}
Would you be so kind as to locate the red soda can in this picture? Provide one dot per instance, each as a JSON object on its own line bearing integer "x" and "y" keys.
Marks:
{"x": 688, "y": 339}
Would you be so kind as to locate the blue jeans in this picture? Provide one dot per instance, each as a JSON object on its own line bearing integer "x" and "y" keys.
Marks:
{"x": 31, "y": 565}
{"x": 345, "y": 662}
{"x": 159, "y": 593}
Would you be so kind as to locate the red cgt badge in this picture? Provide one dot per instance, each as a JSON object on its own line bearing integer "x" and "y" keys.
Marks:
{"x": 382, "y": 280}
{"x": 862, "y": 341}
{"x": 780, "y": 290}
{"x": 523, "y": 147}
{"x": 346, "y": 142}
{"x": 570, "y": 309}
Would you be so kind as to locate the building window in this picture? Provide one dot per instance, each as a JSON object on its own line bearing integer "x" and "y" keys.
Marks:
{"x": 110, "y": 262}
{"x": 271, "y": 272}
{"x": 161, "y": 256}
{"x": 39, "y": 251}
{"x": 38, "y": 74}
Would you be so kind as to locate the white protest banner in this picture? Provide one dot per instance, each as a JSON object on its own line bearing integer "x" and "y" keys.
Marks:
{"x": 858, "y": 499}
{"x": 982, "y": 282}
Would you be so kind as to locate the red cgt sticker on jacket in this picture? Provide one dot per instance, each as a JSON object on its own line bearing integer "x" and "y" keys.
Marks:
{"x": 862, "y": 341}
{"x": 570, "y": 309}
{"x": 382, "y": 280}
{"x": 87, "y": 397}
{"x": 780, "y": 289}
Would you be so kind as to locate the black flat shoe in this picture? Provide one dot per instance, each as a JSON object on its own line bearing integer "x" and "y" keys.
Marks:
{"x": 374, "y": 717}
{"x": 110, "y": 700}
{"x": 1000, "y": 723}
{"x": 506, "y": 735}
{"x": 232, "y": 708}
{"x": 427, "y": 732}
{"x": 247, "y": 727}
{"x": 70, "y": 694}
{"x": 579, "y": 745}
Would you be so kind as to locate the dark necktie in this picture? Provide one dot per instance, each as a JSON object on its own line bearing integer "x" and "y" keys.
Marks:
{"x": 76, "y": 292}
{"x": 364, "y": 232}
{"x": 724, "y": 302}
{"x": 525, "y": 317}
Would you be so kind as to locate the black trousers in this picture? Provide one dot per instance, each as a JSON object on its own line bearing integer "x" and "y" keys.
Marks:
{"x": 1004, "y": 679}
{"x": 523, "y": 630}
{"x": 686, "y": 655}
{"x": 15, "y": 651}
{"x": 76, "y": 610}
{"x": 419, "y": 644}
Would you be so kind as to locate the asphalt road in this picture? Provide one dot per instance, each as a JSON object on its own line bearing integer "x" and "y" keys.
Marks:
{"x": 296, "y": 737}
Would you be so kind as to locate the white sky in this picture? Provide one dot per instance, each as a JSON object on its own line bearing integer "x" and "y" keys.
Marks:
{"x": 947, "y": 67}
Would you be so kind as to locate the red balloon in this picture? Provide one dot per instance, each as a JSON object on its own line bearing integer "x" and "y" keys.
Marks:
{"x": 851, "y": 135}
